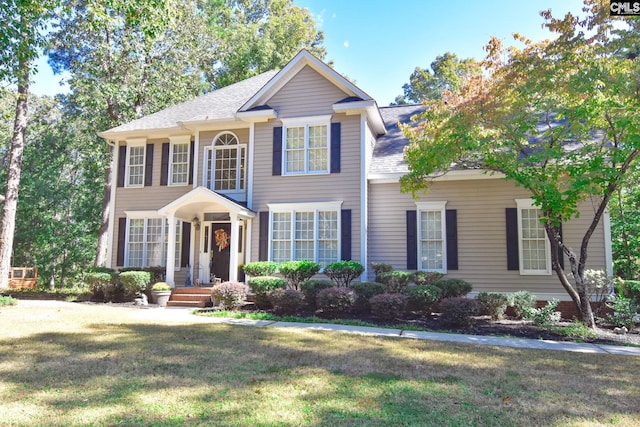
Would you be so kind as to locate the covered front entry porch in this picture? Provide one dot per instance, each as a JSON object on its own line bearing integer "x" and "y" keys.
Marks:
{"x": 221, "y": 230}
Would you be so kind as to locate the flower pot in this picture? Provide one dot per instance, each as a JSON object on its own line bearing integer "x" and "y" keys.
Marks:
{"x": 160, "y": 297}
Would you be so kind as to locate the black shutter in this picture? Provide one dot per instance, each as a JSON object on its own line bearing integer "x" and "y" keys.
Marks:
{"x": 513, "y": 257}
{"x": 412, "y": 240}
{"x": 191, "y": 154}
{"x": 263, "y": 240}
{"x": 186, "y": 244}
{"x": 122, "y": 164}
{"x": 148, "y": 166}
{"x": 452, "y": 238}
{"x": 335, "y": 147}
{"x": 345, "y": 231}
{"x": 560, "y": 252}
{"x": 122, "y": 235}
{"x": 277, "y": 151}
{"x": 164, "y": 167}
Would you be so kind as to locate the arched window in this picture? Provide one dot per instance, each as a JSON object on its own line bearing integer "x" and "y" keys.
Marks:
{"x": 226, "y": 164}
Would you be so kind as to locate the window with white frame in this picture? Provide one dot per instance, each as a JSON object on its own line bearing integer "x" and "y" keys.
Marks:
{"x": 147, "y": 239}
{"x": 534, "y": 247}
{"x": 432, "y": 243}
{"x": 225, "y": 164}
{"x": 135, "y": 164}
{"x": 305, "y": 147}
{"x": 179, "y": 160}
{"x": 305, "y": 232}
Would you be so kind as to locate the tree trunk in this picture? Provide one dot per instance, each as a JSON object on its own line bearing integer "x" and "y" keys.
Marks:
{"x": 103, "y": 232}
{"x": 8, "y": 224}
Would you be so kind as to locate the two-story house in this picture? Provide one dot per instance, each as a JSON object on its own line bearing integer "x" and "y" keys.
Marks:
{"x": 300, "y": 163}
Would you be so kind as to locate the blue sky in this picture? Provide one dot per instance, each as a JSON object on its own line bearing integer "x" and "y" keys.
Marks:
{"x": 378, "y": 43}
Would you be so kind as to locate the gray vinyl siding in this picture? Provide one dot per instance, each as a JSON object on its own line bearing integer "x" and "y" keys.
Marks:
{"x": 480, "y": 206}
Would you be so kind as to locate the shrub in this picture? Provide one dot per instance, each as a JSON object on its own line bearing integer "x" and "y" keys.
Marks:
{"x": 135, "y": 282}
{"x": 598, "y": 287}
{"x": 629, "y": 289}
{"x": 4, "y": 300}
{"x": 157, "y": 273}
{"x": 364, "y": 291}
{"x": 457, "y": 311}
{"x": 379, "y": 268}
{"x": 286, "y": 301}
{"x": 624, "y": 312}
{"x": 423, "y": 297}
{"x": 344, "y": 272}
{"x": 261, "y": 286}
{"x": 335, "y": 302}
{"x": 161, "y": 286}
{"x": 545, "y": 315}
{"x": 395, "y": 281}
{"x": 388, "y": 306}
{"x": 311, "y": 288}
{"x": 101, "y": 284}
{"x": 521, "y": 302}
{"x": 493, "y": 304}
{"x": 453, "y": 288}
{"x": 260, "y": 268}
{"x": 426, "y": 277}
{"x": 296, "y": 272}
{"x": 230, "y": 295}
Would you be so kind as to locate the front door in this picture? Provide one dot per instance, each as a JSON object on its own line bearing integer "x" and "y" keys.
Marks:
{"x": 219, "y": 251}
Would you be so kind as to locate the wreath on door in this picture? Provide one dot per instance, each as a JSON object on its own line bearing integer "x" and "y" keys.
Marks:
{"x": 222, "y": 239}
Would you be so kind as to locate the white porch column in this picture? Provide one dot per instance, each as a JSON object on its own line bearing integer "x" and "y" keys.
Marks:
{"x": 248, "y": 228}
{"x": 171, "y": 249}
{"x": 233, "y": 256}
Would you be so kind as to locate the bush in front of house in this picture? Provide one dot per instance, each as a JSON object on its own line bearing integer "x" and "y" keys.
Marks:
{"x": 493, "y": 304}
{"x": 6, "y": 300}
{"x": 311, "y": 288}
{"x": 422, "y": 298}
{"x": 296, "y": 272}
{"x": 388, "y": 306}
{"x": 624, "y": 312}
{"x": 135, "y": 282}
{"x": 457, "y": 311}
{"x": 426, "y": 277}
{"x": 260, "y": 268}
{"x": 364, "y": 291}
{"x": 158, "y": 273}
{"x": 395, "y": 281}
{"x": 344, "y": 272}
{"x": 381, "y": 267}
{"x": 546, "y": 315}
{"x": 261, "y": 286}
{"x": 335, "y": 302}
{"x": 102, "y": 284}
{"x": 522, "y": 302}
{"x": 286, "y": 301}
{"x": 453, "y": 288}
{"x": 230, "y": 295}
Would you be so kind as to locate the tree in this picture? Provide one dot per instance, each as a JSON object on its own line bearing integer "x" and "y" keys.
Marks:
{"x": 625, "y": 223}
{"x": 20, "y": 40}
{"x": 446, "y": 74}
{"x": 558, "y": 118}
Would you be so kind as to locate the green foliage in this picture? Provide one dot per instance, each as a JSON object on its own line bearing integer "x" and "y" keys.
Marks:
{"x": 388, "y": 306}
{"x": 458, "y": 311}
{"x": 364, "y": 291}
{"x": 335, "y": 302}
{"x": 5, "y": 300}
{"x": 426, "y": 277}
{"x": 101, "y": 285}
{"x": 260, "y": 268}
{"x": 576, "y": 330}
{"x": 286, "y": 301}
{"x": 135, "y": 282}
{"x": 344, "y": 272}
{"x": 381, "y": 267}
{"x": 230, "y": 295}
{"x": 296, "y": 272}
{"x": 311, "y": 288}
{"x": 452, "y": 288}
{"x": 261, "y": 286}
{"x": 544, "y": 315}
{"x": 629, "y": 289}
{"x": 161, "y": 286}
{"x": 395, "y": 281}
{"x": 624, "y": 312}
{"x": 522, "y": 302}
{"x": 493, "y": 304}
{"x": 157, "y": 273}
{"x": 423, "y": 297}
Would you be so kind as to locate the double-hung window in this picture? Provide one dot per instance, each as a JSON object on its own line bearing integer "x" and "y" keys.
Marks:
{"x": 147, "y": 242}
{"x": 533, "y": 245}
{"x": 179, "y": 160}
{"x": 307, "y": 231}
{"x": 225, "y": 163}
{"x": 135, "y": 163}
{"x": 306, "y": 146}
{"x": 432, "y": 242}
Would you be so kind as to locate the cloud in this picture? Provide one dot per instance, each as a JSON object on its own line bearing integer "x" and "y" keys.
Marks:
{"x": 333, "y": 15}
{"x": 346, "y": 43}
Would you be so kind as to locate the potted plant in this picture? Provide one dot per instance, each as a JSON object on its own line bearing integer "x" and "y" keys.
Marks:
{"x": 160, "y": 293}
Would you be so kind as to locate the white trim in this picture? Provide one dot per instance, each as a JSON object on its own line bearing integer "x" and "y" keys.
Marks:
{"x": 452, "y": 175}
{"x": 250, "y": 157}
{"x": 248, "y": 229}
{"x": 112, "y": 205}
{"x": 305, "y": 206}
{"x": 138, "y": 142}
{"x": 608, "y": 251}
{"x": 233, "y": 249}
{"x": 368, "y": 107}
{"x": 529, "y": 204}
{"x": 171, "y": 250}
{"x": 435, "y": 206}
{"x": 257, "y": 116}
{"x": 173, "y": 141}
{"x": 241, "y": 192}
{"x": 364, "y": 196}
{"x": 196, "y": 159}
{"x": 306, "y": 122}
{"x": 143, "y": 214}
{"x": 202, "y": 195}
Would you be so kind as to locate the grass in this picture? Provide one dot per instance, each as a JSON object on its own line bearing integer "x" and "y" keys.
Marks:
{"x": 87, "y": 364}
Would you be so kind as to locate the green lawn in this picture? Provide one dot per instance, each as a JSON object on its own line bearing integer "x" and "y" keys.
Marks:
{"x": 80, "y": 364}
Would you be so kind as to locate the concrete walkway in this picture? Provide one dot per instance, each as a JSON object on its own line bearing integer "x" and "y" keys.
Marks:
{"x": 179, "y": 314}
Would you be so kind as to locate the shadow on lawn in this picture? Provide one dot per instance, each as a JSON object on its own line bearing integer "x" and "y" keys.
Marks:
{"x": 222, "y": 374}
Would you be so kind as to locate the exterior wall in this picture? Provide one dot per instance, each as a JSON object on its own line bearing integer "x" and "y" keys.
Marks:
{"x": 482, "y": 259}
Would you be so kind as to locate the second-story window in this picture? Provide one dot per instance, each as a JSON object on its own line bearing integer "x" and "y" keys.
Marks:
{"x": 306, "y": 147}
{"x": 179, "y": 165}
{"x": 225, "y": 164}
{"x": 135, "y": 165}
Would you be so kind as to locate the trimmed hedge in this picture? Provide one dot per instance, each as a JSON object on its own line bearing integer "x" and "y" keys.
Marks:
{"x": 364, "y": 292}
{"x": 522, "y": 302}
{"x": 453, "y": 288}
{"x": 260, "y": 268}
{"x": 311, "y": 288}
{"x": 135, "y": 283}
{"x": 422, "y": 298}
{"x": 344, "y": 272}
{"x": 493, "y": 304}
{"x": 261, "y": 286}
{"x": 388, "y": 306}
{"x": 395, "y": 281}
{"x": 335, "y": 302}
{"x": 379, "y": 268}
{"x": 458, "y": 311}
{"x": 296, "y": 272}
{"x": 286, "y": 301}
{"x": 230, "y": 295}
{"x": 426, "y": 277}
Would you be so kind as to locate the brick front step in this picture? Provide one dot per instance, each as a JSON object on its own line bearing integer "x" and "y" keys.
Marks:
{"x": 190, "y": 297}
